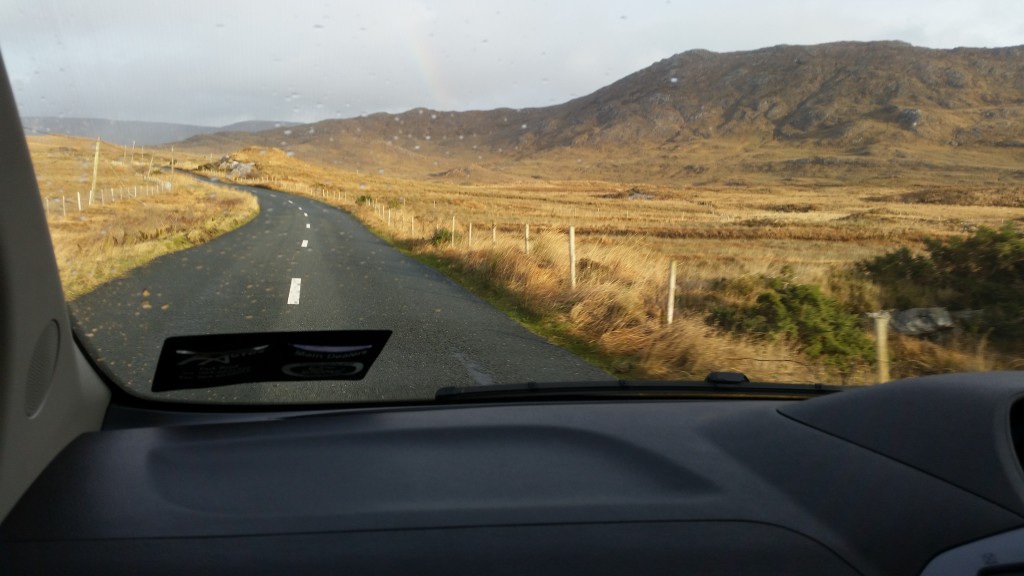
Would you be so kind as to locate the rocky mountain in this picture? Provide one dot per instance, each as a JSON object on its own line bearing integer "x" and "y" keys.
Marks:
{"x": 861, "y": 99}
{"x": 834, "y": 93}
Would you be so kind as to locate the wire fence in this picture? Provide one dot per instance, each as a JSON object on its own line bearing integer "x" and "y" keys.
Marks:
{"x": 65, "y": 205}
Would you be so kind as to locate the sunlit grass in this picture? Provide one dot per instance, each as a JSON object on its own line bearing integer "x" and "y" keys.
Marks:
{"x": 136, "y": 215}
{"x": 754, "y": 224}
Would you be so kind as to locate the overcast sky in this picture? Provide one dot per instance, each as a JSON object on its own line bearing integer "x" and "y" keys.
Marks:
{"x": 214, "y": 62}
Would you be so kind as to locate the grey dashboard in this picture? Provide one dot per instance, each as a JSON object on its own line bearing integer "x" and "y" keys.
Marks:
{"x": 886, "y": 480}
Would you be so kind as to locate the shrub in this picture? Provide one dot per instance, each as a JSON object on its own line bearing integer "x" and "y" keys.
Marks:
{"x": 982, "y": 271}
{"x": 803, "y": 314}
{"x": 364, "y": 199}
{"x": 441, "y": 237}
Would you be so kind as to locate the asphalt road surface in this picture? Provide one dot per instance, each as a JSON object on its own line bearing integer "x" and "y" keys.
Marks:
{"x": 303, "y": 265}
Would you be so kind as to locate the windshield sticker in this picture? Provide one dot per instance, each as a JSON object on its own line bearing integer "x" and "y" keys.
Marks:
{"x": 191, "y": 362}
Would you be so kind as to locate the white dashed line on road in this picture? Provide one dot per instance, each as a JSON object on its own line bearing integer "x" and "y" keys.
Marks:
{"x": 293, "y": 293}
{"x": 307, "y": 224}
{"x": 305, "y": 243}
{"x": 305, "y": 214}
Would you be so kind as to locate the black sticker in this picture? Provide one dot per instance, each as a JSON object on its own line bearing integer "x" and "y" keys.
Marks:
{"x": 189, "y": 362}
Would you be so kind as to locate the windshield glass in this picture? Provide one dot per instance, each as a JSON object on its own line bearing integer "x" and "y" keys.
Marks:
{"x": 804, "y": 192}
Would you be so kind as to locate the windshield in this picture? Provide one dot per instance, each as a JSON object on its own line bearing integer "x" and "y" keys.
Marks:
{"x": 514, "y": 192}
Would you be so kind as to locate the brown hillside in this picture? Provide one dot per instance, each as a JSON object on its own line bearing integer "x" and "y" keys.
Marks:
{"x": 866, "y": 110}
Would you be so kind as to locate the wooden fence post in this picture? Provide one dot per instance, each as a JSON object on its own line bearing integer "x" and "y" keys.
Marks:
{"x": 526, "y": 240}
{"x": 572, "y": 257}
{"x": 882, "y": 343}
{"x": 670, "y": 306}
{"x": 494, "y": 233}
{"x": 453, "y": 230}
{"x": 469, "y": 241}
{"x": 95, "y": 172}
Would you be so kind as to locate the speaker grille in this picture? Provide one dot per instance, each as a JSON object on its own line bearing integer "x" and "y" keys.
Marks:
{"x": 41, "y": 368}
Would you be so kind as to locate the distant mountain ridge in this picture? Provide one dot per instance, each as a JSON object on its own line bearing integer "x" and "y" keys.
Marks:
{"x": 859, "y": 98}
{"x": 126, "y": 132}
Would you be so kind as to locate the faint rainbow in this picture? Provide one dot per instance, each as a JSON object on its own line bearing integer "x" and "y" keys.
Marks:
{"x": 428, "y": 65}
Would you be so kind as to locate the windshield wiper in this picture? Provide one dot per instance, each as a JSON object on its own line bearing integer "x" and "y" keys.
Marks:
{"x": 717, "y": 385}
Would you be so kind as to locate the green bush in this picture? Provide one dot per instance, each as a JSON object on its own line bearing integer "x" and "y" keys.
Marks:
{"x": 441, "y": 237}
{"x": 982, "y": 271}
{"x": 800, "y": 312}
{"x": 364, "y": 199}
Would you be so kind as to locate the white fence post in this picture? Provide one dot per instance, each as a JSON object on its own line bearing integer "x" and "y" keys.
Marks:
{"x": 572, "y": 257}
{"x": 670, "y": 306}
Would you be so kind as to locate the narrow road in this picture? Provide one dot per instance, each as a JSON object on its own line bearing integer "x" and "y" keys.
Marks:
{"x": 303, "y": 265}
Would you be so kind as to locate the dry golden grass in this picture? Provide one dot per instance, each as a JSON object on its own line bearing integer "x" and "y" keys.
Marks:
{"x": 136, "y": 215}
{"x": 757, "y": 223}
{"x": 915, "y": 356}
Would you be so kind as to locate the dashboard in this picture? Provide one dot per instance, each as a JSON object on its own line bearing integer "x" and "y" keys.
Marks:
{"x": 920, "y": 476}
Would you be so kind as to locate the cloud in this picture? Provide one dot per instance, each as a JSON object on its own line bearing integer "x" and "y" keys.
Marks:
{"x": 220, "y": 62}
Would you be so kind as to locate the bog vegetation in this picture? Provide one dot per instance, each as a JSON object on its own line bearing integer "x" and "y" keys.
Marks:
{"x": 774, "y": 277}
{"x": 982, "y": 272}
{"x": 139, "y": 209}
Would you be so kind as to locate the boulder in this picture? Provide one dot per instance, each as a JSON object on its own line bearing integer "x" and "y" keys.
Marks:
{"x": 920, "y": 321}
